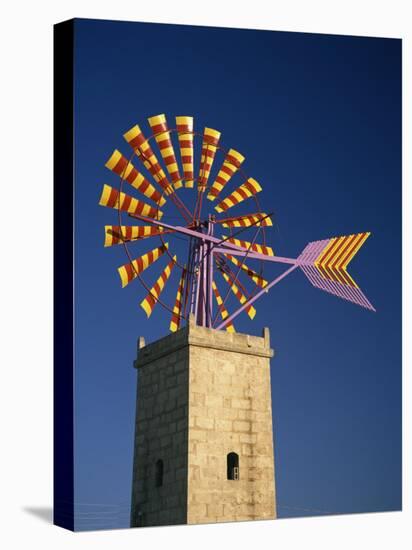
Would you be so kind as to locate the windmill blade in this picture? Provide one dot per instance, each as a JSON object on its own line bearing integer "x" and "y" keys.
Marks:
{"x": 136, "y": 139}
{"x": 177, "y": 308}
{"x": 129, "y": 271}
{"x": 251, "y": 311}
{"x": 118, "y": 234}
{"x": 256, "y": 278}
{"x": 259, "y": 248}
{"x": 247, "y": 220}
{"x": 118, "y": 164}
{"x": 224, "y": 314}
{"x": 243, "y": 192}
{"x": 325, "y": 265}
{"x": 113, "y": 198}
{"x": 209, "y": 147}
{"x": 230, "y": 166}
{"x": 184, "y": 126}
{"x": 152, "y": 298}
{"x": 159, "y": 127}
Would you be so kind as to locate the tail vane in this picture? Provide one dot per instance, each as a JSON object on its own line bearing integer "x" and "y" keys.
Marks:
{"x": 325, "y": 265}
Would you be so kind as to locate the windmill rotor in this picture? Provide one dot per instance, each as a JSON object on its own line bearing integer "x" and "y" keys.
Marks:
{"x": 185, "y": 190}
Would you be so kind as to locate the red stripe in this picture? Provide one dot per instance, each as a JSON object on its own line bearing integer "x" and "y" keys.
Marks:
{"x": 159, "y": 128}
{"x": 344, "y": 252}
{"x": 227, "y": 169}
{"x": 132, "y": 176}
{"x": 185, "y": 143}
{"x": 126, "y": 202}
{"x": 241, "y": 192}
{"x": 119, "y": 167}
{"x": 183, "y": 128}
{"x": 112, "y": 200}
{"x": 233, "y": 160}
{"x": 164, "y": 143}
{"x": 138, "y": 140}
{"x": 250, "y": 187}
{"x": 130, "y": 272}
{"x": 349, "y": 252}
{"x": 210, "y": 140}
{"x": 144, "y": 186}
{"x": 220, "y": 180}
{"x": 151, "y": 300}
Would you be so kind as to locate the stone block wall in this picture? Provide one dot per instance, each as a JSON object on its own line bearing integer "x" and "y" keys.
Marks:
{"x": 202, "y": 394}
{"x": 229, "y": 411}
{"x": 161, "y": 433}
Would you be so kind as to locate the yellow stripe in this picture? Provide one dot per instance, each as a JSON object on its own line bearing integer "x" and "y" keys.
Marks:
{"x": 188, "y": 120}
{"x": 355, "y": 251}
{"x": 104, "y": 199}
{"x": 114, "y": 159}
{"x": 123, "y": 276}
{"x": 240, "y": 158}
{"x": 132, "y": 133}
{"x": 213, "y": 133}
{"x": 324, "y": 251}
{"x": 157, "y": 119}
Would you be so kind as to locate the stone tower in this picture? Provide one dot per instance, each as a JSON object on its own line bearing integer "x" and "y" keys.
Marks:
{"x": 203, "y": 444}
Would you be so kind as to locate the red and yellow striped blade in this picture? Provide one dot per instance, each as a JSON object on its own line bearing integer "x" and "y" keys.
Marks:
{"x": 259, "y": 248}
{"x": 256, "y": 278}
{"x": 176, "y": 319}
{"x": 160, "y": 129}
{"x": 209, "y": 147}
{"x": 247, "y": 221}
{"x": 136, "y": 139}
{"x": 184, "y": 126}
{"x": 120, "y": 201}
{"x": 117, "y": 234}
{"x": 152, "y": 298}
{"x": 118, "y": 164}
{"x": 333, "y": 260}
{"x": 243, "y": 192}
{"x": 250, "y": 310}
{"x": 129, "y": 271}
{"x": 224, "y": 314}
{"x": 230, "y": 166}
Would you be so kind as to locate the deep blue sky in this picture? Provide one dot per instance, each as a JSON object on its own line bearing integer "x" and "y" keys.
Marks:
{"x": 318, "y": 118}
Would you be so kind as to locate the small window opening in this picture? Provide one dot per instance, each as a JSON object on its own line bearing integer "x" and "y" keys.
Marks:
{"x": 159, "y": 473}
{"x": 233, "y": 466}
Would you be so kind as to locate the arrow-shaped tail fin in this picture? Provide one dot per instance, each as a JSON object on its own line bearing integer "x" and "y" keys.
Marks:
{"x": 325, "y": 265}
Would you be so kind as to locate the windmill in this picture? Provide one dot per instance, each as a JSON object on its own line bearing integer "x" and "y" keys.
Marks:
{"x": 215, "y": 209}
{"x": 194, "y": 219}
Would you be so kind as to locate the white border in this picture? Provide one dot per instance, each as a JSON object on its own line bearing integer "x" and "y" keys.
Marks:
{"x": 26, "y": 274}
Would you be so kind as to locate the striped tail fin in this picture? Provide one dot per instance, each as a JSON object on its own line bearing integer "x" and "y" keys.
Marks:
{"x": 325, "y": 265}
